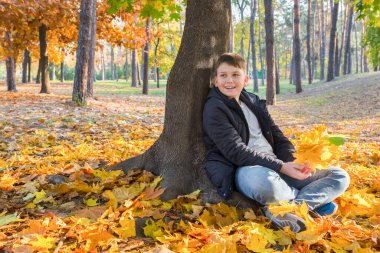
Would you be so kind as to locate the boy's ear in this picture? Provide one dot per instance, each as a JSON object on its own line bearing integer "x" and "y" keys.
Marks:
{"x": 246, "y": 78}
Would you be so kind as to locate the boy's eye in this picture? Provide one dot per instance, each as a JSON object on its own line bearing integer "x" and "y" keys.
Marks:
{"x": 236, "y": 74}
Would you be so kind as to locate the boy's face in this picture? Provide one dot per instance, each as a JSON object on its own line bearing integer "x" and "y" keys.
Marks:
{"x": 230, "y": 80}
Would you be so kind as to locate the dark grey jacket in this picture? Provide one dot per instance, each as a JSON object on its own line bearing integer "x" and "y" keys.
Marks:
{"x": 226, "y": 135}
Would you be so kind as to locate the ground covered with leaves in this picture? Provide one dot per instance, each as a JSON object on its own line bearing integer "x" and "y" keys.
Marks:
{"x": 56, "y": 196}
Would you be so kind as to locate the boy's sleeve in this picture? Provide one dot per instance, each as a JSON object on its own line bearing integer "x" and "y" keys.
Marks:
{"x": 221, "y": 131}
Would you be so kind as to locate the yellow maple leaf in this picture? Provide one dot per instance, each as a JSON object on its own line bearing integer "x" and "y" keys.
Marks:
{"x": 112, "y": 199}
{"x": 107, "y": 176}
{"x": 39, "y": 196}
{"x": 314, "y": 149}
{"x": 7, "y": 181}
{"x": 91, "y": 202}
{"x": 43, "y": 243}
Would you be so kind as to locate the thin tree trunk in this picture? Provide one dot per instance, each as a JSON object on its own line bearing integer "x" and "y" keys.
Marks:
{"x": 231, "y": 40}
{"x": 83, "y": 53}
{"x": 10, "y": 64}
{"x": 112, "y": 64}
{"x": 248, "y": 56}
{"x": 347, "y": 49}
{"x": 158, "y": 77}
{"x": 259, "y": 41}
{"x": 322, "y": 49}
{"x": 45, "y": 83}
{"x": 138, "y": 72}
{"x": 361, "y": 48}
{"x": 25, "y": 62}
{"x": 134, "y": 66}
{"x": 269, "y": 40}
{"x": 156, "y": 43}
{"x": 91, "y": 60}
{"x": 52, "y": 74}
{"x": 297, "y": 48}
{"x": 343, "y": 38}
{"x": 253, "y": 45}
{"x": 38, "y": 77}
{"x": 330, "y": 66}
{"x": 337, "y": 66}
{"x": 308, "y": 54}
{"x": 62, "y": 71}
{"x": 146, "y": 59}
{"x": 277, "y": 77}
{"x": 356, "y": 48}
{"x": 29, "y": 69}
{"x": 103, "y": 65}
{"x": 313, "y": 38}
{"x": 126, "y": 70}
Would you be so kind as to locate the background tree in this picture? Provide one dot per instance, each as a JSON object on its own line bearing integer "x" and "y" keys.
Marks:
{"x": 253, "y": 44}
{"x": 347, "y": 49}
{"x": 297, "y": 48}
{"x": 322, "y": 48}
{"x": 83, "y": 52}
{"x": 146, "y": 58}
{"x": 330, "y": 66}
{"x": 270, "y": 59}
{"x": 308, "y": 54}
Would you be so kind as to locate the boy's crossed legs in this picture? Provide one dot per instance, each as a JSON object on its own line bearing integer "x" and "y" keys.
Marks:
{"x": 267, "y": 186}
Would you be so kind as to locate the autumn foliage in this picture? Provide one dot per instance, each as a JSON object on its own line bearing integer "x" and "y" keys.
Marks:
{"x": 57, "y": 197}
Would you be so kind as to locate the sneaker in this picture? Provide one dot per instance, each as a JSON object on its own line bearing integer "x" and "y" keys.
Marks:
{"x": 295, "y": 223}
{"x": 327, "y": 209}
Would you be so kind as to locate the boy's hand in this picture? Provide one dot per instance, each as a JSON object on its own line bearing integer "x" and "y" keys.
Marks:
{"x": 296, "y": 170}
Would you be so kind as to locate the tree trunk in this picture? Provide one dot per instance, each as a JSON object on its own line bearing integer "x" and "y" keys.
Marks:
{"x": 330, "y": 66}
{"x": 138, "y": 72}
{"x": 38, "y": 77}
{"x": 62, "y": 71}
{"x": 231, "y": 39}
{"x": 103, "y": 65}
{"x": 259, "y": 41}
{"x": 253, "y": 45}
{"x": 52, "y": 73}
{"x": 297, "y": 48}
{"x": 322, "y": 49}
{"x": 337, "y": 67}
{"x": 126, "y": 70}
{"x": 134, "y": 67}
{"x": 91, "y": 60}
{"x": 156, "y": 70}
{"x": 347, "y": 48}
{"x": 112, "y": 64}
{"x": 362, "y": 49}
{"x": 241, "y": 6}
{"x": 308, "y": 54}
{"x": 29, "y": 69}
{"x": 343, "y": 38}
{"x": 10, "y": 64}
{"x": 83, "y": 53}
{"x": 180, "y": 162}
{"x": 277, "y": 77}
{"x": 356, "y": 47}
{"x": 25, "y": 62}
{"x": 44, "y": 70}
{"x": 146, "y": 59}
{"x": 269, "y": 40}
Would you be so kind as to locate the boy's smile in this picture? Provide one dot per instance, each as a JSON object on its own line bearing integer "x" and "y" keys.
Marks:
{"x": 230, "y": 80}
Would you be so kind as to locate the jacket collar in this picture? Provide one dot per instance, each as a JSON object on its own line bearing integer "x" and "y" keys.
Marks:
{"x": 244, "y": 97}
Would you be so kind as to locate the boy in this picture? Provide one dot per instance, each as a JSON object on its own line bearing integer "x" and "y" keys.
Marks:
{"x": 246, "y": 148}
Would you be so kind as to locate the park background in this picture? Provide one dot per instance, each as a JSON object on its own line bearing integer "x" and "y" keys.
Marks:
{"x": 80, "y": 109}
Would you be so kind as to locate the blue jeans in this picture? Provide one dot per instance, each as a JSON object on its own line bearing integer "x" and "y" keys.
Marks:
{"x": 267, "y": 186}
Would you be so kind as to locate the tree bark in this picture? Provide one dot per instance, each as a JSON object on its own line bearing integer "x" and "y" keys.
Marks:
{"x": 156, "y": 69}
{"x": 112, "y": 64}
{"x": 241, "y": 6}
{"x": 297, "y": 48}
{"x": 308, "y": 49}
{"x": 180, "y": 162}
{"x": 38, "y": 77}
{"x": 134, "y": 67}
{"x": 253, "y": 45}
{"x": 91, "y": 60}
{"x": 330, "y": 66}
{"x": 347, "y": 48}
{"x": 337, "y": 66}
{"x": 356, "y": 47}
{"x": 231, "y": 39}
{"x": 322, "y": 49}
{"x": 126, "y": 69}
{"x": 83, "y": 53}
{"x": 269, "y": 40}
{"x": 259, "y": 41}
{"x": 62, "y": 71}
{"x": 29, "y": 69}
{"x": 10, "y": 64}
{"x": 146, "y": 58}
{"x": 343, "y": 38}
{"x": 44, "y": 61}
{"x": 25, "y": 62}
{"x": 277, "y": 77}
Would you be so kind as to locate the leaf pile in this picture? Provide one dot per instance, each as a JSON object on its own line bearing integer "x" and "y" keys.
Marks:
{"x": 57, "y": 197}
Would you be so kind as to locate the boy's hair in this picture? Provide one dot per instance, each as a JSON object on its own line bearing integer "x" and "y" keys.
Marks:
{"x": 229, "y": 58}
